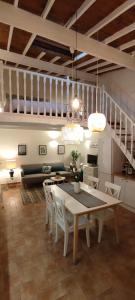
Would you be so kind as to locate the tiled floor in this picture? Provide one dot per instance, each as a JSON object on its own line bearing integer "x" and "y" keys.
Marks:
{"x": 32, "y": 266}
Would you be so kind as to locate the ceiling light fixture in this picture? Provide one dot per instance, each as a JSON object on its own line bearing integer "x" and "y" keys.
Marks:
{"x": 75, "y": 102}
{"x": 96, "y": 121}
{"x": 73, "y": 132}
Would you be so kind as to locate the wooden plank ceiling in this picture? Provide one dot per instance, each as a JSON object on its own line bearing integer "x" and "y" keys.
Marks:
{"x": 60, "y": 12}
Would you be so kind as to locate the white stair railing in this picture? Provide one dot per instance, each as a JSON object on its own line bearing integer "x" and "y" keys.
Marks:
{"x": 27, "y": 92}
{"x": 122, "y": 127}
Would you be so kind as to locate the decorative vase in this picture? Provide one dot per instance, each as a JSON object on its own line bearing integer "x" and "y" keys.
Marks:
{"x": 74, "y": 165}
{"x": 76, "y": 187}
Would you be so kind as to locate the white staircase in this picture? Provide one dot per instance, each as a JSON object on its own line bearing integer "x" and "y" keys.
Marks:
{"x": 121, "y": 126}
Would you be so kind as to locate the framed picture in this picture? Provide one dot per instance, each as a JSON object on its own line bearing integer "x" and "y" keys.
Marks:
{"x": 42, "y": 149}
{"x": 61, "y": 149}
{"x": 22, "y": 149}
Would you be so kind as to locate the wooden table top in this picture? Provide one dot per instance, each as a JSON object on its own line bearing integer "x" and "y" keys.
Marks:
{"x": 76, "y": 208}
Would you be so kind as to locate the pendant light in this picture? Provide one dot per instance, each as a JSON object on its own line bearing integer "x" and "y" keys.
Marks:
{"x": 72, "y": 132}
{"x": 96, "y": 121}
{"x": 75, "y": 102}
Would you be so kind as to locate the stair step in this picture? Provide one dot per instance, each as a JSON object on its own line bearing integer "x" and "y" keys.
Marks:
{"x": 123, "y": 134}
{"x": 118, "y": 127}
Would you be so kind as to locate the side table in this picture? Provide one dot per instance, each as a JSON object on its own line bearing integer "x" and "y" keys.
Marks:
{"x": 58, "y": 179}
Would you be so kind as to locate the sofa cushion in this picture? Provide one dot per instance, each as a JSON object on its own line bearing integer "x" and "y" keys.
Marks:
{"x": 32, "y": 170}
{"x": 56, "y": 167}
{"x": 46, "y": 169}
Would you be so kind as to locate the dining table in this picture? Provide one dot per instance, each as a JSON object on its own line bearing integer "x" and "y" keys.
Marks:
{"x": 77, "y": 205}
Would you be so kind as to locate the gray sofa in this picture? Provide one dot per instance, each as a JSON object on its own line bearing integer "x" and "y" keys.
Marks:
{"x": 33, "y": 174}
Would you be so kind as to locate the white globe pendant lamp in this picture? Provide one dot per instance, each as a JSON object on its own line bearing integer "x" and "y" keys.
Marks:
{"x": 75, "y": 104}
{"x": 96, "y": 122}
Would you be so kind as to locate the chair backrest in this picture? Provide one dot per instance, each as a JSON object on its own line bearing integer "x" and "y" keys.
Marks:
{"x": 48, "y": 196}
{"x": 93, "y": 182}
{"x": 60, "y": 212}
{"x": 112, "y": 189}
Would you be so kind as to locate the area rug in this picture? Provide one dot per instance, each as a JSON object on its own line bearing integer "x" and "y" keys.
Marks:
{"x": 32, "y": 195}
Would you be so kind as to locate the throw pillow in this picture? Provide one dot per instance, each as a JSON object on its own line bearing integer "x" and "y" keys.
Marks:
{"x": 46, "y": 169}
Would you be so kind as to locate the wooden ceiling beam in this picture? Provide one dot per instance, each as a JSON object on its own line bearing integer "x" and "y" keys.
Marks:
{"x": 11, "y": 29}
{"x": 44, "y": 15}
{"x": 29, "y": 44}
{"x": 47, "y": 8}
{"x": 10, "y": 37}
{"x": 53, "y": 60}
{"x": 66, "y": 63}
{"x": 120, "y": 33}
{"x": 87, "y": 62}
{"x": 106, "y": 41}
{"x": 16, "y": 3}
{"x": 127, "y": 45}
{"x": 52, "y": 31}
{"x": 95, "y": 66}
{"x": 43, "y": 65}
{"x": 80, "y": 11}
{"x": 112, "y": 16}
{"x": 122, "y": 47}
{"x": 109, "y": 69}
{"x": 41, "y": 55}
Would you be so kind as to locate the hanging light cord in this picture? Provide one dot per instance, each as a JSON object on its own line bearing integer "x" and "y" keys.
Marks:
{"x": 75, "y": 53}
{"x": 97, "y": 80}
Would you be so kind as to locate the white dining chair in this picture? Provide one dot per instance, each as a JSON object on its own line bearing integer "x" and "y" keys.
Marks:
{"x": 65, "y": 221}
{"x": 93, "y": 182}
{"x": 102, "y": 216}
{"x": 50, "y": 207}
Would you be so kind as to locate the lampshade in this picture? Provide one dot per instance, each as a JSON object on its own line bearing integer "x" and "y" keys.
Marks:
{"x": 72, "y": 133}
{"x": 1, "y": 109}
{"x": 11, "y": 163}
{"x": 96, "y": 122}
{"x": 75, "y": 104}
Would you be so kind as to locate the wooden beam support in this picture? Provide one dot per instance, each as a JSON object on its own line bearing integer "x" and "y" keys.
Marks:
{"x": 112, "y": 16}
{"x": 109, "y": 69}
{"x": 120, "y": 33}
{"x": 95, "y": 66}
{"x": 122, "y": 47}
{"x": 42, "y": 65}
{"x": 53, "y": 60}
{"x": 47, "y": 8}
{"x": 50, "y": 30}
{"x": 110, "y": 39}
{"x": 127, "y": 45}
{"x": 80, "y": 11}
{"x": 44, "y": 15}
{"x": 41, "y": 55}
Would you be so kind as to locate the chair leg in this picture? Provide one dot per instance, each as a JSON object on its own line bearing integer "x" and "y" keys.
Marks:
{"x": 116, "y": 226}
{"x": 56, "y": 233}
{"x": 46, "y": 216}
{"x": 66, "y": 235}
{"x": 88, "y": 236}
{"x": 51, "y": 223}
{"x": 100, "y": 229}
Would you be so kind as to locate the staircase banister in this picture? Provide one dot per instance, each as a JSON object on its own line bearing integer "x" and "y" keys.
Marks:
{"x": 122, "y": 111}
{"x": 48, "y": 76}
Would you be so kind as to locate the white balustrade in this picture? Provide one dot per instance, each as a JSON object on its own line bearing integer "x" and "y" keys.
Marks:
{"x": 40, "y": 94}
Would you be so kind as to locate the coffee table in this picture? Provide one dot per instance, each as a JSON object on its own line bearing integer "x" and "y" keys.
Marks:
{"x": 58, "y": 179}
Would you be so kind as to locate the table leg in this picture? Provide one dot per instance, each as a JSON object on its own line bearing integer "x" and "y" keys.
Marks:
{"x": 116, "y": 223}
{"x": 75, "y": 242}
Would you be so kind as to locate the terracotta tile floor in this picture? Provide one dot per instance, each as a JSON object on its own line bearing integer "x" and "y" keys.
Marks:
{"x": 32, "y": 266}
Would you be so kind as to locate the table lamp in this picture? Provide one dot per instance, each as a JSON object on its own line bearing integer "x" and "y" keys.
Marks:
{"x": 11, "y": 165}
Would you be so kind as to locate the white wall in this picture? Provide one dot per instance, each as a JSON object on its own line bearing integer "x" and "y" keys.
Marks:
{"x": 121, "y": 85}
{"x": 10, "y": 138}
